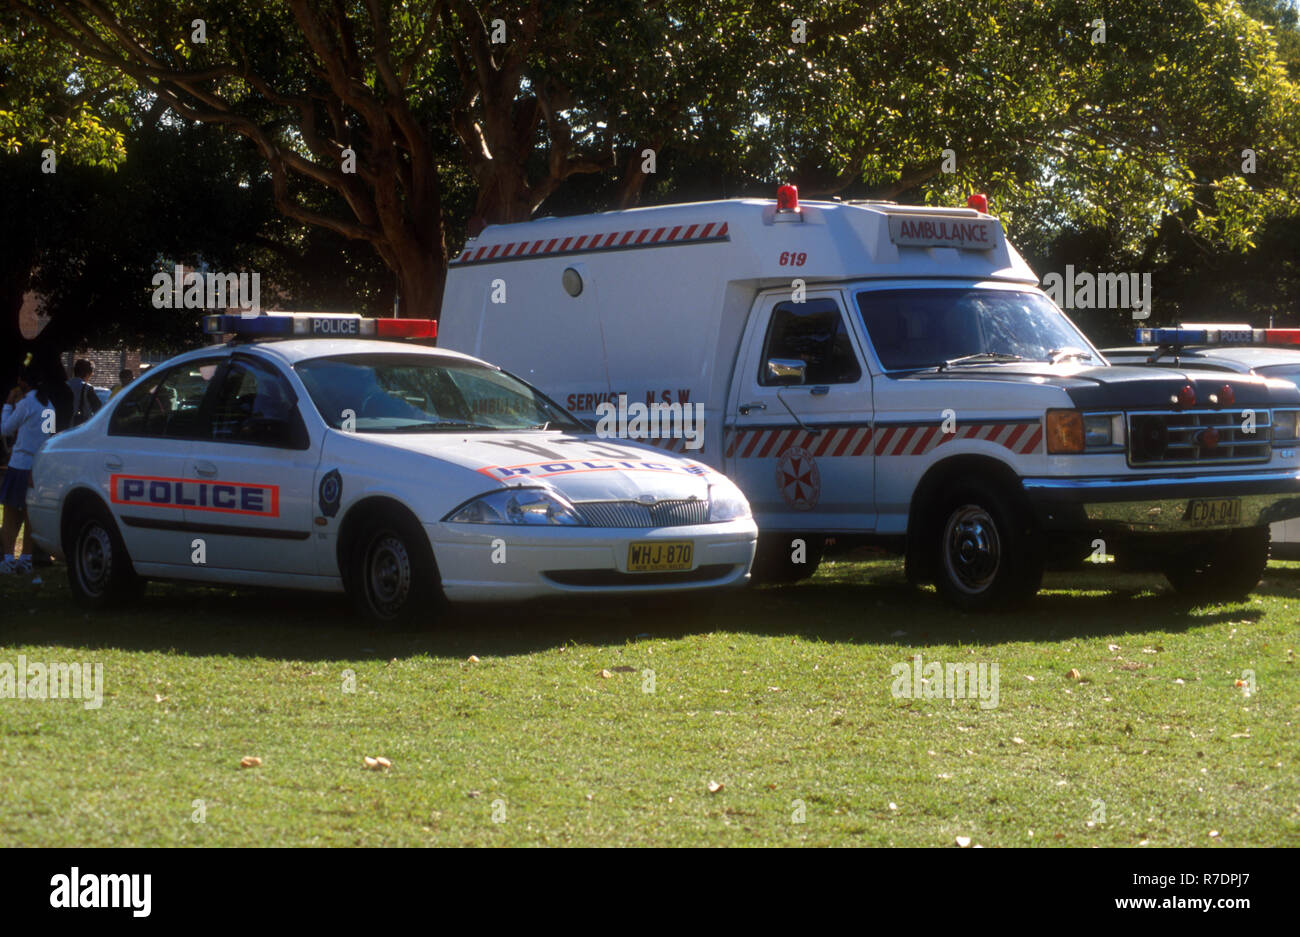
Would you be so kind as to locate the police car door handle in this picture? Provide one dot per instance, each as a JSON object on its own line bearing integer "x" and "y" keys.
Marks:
{"x": 112, "y": 462}
{"x": 205, "y": 468}
{"x": 756, "y": 405}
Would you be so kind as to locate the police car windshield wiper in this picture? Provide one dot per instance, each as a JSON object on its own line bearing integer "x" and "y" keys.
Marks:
{"x": 979, "y": 358}
{"x": 434, "y": 425}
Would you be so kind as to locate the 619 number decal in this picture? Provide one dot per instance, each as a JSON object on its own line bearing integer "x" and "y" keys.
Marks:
{"x": 793, "y": 258}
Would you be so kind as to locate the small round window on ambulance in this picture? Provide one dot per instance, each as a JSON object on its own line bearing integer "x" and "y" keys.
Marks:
{"x": 572, "y": 281}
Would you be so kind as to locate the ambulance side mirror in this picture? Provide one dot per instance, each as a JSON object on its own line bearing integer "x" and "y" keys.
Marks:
{"x": 785, "y": 372}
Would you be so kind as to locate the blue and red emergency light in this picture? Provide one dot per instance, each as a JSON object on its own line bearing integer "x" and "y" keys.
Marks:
{"x": 318, "y": 325}
{"x": 1216, "y": 334}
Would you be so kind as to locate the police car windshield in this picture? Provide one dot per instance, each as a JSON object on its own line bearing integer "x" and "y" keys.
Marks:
{"x": 406, "y": 393}
{"x": 913, "y": 329}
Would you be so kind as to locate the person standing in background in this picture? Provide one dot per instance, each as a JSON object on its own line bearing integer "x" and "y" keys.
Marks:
{"x": 85, "y": 403}
{"x": 26, "y": 416}
{"x": 124, "y": 377}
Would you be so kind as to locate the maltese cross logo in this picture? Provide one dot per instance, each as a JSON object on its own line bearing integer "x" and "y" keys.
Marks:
{"x": 798, "y": 479}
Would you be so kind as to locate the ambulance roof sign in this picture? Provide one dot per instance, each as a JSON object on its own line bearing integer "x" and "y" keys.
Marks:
{"x": 917, "y": 230}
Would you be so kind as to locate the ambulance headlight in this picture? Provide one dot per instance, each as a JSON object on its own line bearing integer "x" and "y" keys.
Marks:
{"x": 530, "y": 506}
{"x": 726, "y": 503}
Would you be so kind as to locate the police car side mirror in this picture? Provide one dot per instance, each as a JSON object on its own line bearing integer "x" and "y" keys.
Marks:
{"x": 786, "y": 372}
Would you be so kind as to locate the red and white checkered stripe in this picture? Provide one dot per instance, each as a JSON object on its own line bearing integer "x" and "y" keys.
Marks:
{"x": 1022, "y": 438}
{"x": 642, "y": 237}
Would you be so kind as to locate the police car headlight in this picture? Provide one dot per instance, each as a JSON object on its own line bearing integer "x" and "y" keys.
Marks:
{"x": 726, "y": 503}
{"x": 530, "y": 506}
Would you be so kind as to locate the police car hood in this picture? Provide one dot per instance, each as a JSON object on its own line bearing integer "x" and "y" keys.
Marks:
{"x": 581, "y": 467}
{"x": 1127, "y": 387}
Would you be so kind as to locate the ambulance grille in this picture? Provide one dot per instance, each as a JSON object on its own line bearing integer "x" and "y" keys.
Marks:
{"x": 1198, "y": 437}
{"x": 635, "y": 514}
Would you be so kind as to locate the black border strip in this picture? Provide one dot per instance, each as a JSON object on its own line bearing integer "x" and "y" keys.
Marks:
{"x": 230, "y": 530}
{"x": 592, "y": 250}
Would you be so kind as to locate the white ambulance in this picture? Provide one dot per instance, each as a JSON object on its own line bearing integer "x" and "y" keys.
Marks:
{"x": 891, "y": 375}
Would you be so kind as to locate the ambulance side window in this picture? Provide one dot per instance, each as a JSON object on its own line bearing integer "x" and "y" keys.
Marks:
{"x": 813, "y": 332}
{"x": 255, "y": 405}
{"x": 167, "y": 404}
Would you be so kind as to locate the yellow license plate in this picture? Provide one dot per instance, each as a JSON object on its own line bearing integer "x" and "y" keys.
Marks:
{"x": 1214, "y": 512}
{"x": 660, "y": 556}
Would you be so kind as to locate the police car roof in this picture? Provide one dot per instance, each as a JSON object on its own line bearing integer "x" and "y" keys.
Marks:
{"x": 293, "y": 350}
{"x": 1245, "y": 356}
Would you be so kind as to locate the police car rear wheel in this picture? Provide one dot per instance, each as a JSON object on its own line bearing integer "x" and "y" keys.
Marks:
{"x": 393, "y": 577}
{"x": 99, "y": 569}
{"x": 985, "y": 553}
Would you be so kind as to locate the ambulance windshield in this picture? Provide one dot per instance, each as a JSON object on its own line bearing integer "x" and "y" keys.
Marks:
{"x": 913, "y": 329}
{"x": 412, "y": 393}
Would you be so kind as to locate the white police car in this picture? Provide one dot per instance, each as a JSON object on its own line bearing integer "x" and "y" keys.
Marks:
{"x": 324, "y": 459}
{"x": 1235, "y": 348}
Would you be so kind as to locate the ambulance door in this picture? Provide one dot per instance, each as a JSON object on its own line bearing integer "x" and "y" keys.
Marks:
{"x": 257, "y": 467}
{"x": 149, "y": 436}
{"x": 801, "y": 364}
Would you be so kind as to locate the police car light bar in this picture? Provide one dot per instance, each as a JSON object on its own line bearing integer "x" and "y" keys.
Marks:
{"x": 1215, "y": 334}
{"x": 317, "y": 325}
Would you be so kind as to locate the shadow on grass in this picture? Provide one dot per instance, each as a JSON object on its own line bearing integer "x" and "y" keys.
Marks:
{"x": 848, "y": 603}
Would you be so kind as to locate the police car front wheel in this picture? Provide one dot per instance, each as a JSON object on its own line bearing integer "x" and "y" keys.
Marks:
{"x": 986, "y": 557}
{"x": 392, "y": 575}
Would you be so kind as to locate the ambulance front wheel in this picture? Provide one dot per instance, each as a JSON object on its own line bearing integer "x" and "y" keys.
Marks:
{"x": 985, "y": 554}
{"x": 786, "y": 557}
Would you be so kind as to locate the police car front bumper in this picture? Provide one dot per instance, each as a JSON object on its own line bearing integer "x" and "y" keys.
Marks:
{"x": 1163, "y": 504}
{"x": 496, "y": 562}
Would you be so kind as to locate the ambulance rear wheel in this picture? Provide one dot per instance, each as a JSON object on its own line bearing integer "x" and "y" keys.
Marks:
{"x": 985, "y": 556}
{"x": 1229, "y": 569}
{"x": 392, "y": 578}
{"x": 99, "y": 569}
{"x": 786, "y": 557}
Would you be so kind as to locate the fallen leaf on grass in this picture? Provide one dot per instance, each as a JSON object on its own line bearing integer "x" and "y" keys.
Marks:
{"x": 472, "y": 659}
{"x": 249, "y": 761}
{"x": 604, "y": 674}
{"x": 1073, "y": 673}
{"x": 159, "y": 698}
{"x": 377, "y": 764}
{"x": 624, "y": 669}
{"x": 963, "y": 841}
{"x": 715, "y": 786}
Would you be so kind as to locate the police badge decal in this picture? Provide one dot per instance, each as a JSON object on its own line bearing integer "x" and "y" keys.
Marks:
{"x": 331, "y": 492}
{"x": 798, "y": 479}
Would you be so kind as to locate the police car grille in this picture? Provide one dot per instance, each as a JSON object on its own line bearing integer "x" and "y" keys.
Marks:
{"x": 635, "y": 514}
{"x": 1164, "y": 438}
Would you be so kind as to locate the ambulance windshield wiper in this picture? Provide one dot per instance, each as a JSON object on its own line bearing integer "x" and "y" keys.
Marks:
{"x": 979, "y": 358}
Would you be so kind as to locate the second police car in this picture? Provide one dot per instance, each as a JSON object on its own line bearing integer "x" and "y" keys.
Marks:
{"x": 397, "y": 473}
{"x": 1236, "y": 348}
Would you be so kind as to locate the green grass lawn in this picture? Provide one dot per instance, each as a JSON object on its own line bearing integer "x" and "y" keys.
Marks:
{"x": 780, "y": 695}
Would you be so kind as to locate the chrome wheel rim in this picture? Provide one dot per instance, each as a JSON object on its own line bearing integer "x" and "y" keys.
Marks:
{"x": 972, "y": 551}
{"x": 388, "y": 574}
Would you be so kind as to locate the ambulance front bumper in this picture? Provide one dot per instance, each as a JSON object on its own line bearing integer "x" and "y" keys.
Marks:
{"x": 1165, "y": 504}
{"x": 482, "y": 562}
